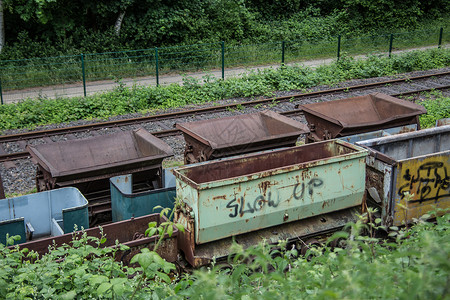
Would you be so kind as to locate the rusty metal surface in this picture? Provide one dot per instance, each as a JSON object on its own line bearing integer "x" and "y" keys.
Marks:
{"x": 247, "y": 193}
{"x": 416, "y": 162}
{"x": 199, "y": 255}
{"x": 99, "y": 157}
{"x": 443, "y": 122}
{"x": 360, "y": 114}
{"x": 2, "y": 189}
{"x": 87, "y": 164}
{"x": 216, "y": 138}
{"x": 128, "y": 232}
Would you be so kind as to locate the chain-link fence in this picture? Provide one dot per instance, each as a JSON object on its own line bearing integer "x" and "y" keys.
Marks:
{"x": 85, "y": 74}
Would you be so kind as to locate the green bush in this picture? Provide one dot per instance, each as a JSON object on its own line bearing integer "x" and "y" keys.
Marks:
{"x": 413, "y": 264}
{"x": 438, "y": 107}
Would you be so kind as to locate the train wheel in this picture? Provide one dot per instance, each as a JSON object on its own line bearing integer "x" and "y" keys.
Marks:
{"x": 307, "y": 245}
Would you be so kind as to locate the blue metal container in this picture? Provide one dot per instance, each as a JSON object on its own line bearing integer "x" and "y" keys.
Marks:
{"x": 378, "y": 133}
{"x": 49, "y": 213}
{"x": 126, "y": 204}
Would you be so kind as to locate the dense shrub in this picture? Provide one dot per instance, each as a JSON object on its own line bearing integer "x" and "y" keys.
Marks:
{"x": 65, "y": 27}
{"x": 413, "y": 263}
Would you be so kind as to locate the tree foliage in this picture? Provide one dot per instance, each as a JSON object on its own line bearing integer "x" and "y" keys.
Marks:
{"x": 65, "y": 27}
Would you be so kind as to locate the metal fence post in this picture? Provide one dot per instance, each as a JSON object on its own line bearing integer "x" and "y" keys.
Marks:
{"x": 157, "y": 66}
{"x": 339, "y": 47}
{"x": 1, "y": 92}
{"x": 390, "y": 44}
{"x": 283, "y": 47}
{"x": 440, "y": 37}
{"x": 223, "y": 59}
{"x": 84, "y": 74}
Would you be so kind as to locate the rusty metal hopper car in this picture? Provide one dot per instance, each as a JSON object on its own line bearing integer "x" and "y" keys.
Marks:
{"x": 339, "y": 118}
{"x": 224, "y": 137}
{"x": 87, "y": 164}
{"x": 415, "y": 162}
{"x": 288, "y": 193}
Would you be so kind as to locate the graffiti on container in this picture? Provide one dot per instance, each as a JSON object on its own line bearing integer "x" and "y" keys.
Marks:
{"x": 432, "y": 182}
{"x": 252, "y": 207}
{"x": 299, "y": 189}
{"x": 241, "y": 207}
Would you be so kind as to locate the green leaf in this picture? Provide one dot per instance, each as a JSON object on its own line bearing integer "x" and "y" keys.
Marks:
{"x": 119, "y": 289}
{"x": 170, "y": 230}
{"x": 150, "y": 231}
{"x": 69, "y": 295}
{"x": 157, "y": 207}
{"x": 96, "y": 279}
{"x": 103, "y": 288}
{"x": 180, "y": 227}
{"x": 145, "y": 259}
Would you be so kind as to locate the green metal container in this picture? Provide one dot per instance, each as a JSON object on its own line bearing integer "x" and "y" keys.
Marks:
{"x": 127, "y": 204}
{"x": 251, "y": 192}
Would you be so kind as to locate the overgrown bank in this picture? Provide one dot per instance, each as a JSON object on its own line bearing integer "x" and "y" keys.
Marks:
{"x": 412, "y": 264}
{"x": 124, "y": 100}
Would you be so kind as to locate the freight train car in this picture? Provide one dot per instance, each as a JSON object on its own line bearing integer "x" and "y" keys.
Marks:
{"x": 417, "y": 163}
{"x": 290, "y": 193}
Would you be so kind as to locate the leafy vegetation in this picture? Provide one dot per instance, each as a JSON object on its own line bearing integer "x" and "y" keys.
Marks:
{"x": 437, "y": 108}
{"x": 37, "y": 28}
{"x": 123, "y": 100}
{"x": 412, "y": 263}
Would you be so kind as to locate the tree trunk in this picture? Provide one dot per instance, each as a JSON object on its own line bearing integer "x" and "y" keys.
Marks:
{"x": 2, "y": 27}
{"x": 118, "y": 24}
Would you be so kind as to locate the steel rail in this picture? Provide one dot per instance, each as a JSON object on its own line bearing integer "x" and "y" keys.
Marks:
{"x": 172, "y": 115}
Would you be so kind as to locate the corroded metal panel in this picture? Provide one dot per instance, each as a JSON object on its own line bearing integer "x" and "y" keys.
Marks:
{"x": 128, "y": 232}
{"x": 328, "y": 120}
{"x": 251, "y": 192}
{"x": 427, "y": 179}
{"x": 85, "y": 160}
{"x": 224, "y": 137}
{"x": 415, "y": 162}
{"x": 198, "y": 255}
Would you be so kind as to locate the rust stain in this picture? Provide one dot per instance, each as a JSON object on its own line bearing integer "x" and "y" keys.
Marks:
{"x": 263, "y": 186}
{"x": 224, "y": 197}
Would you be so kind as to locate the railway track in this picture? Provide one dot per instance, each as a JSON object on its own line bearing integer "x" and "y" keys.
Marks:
{"x": 418, "y": 84}
{"x": 14, "y": 158}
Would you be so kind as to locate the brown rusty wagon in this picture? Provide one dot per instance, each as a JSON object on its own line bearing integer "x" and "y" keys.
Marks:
{"x": 87, "y": 164}
{"x": 223, "y": 137}
{"x": 339, "y": 118}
